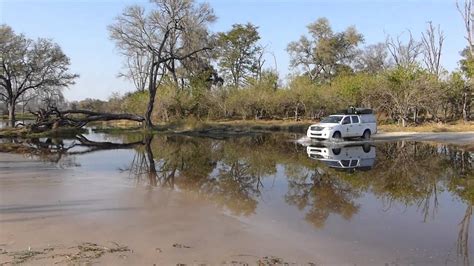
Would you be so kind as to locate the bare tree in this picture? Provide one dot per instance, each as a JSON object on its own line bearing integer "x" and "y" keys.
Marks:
{"x": 432, "y": 43}
{"x": 27, "y": 65}
{"x": 404, "y": 55}
{"x": 136, "y": 66}
{"x": 160, "y": 34}
{"x": 468, "y": 17}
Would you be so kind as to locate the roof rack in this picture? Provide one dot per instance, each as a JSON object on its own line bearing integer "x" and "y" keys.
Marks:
{"x": 357, "y": 111}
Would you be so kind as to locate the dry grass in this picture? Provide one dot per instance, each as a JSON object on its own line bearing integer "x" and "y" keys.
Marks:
{"x": 468, "y": 147}
{"x": 264, "y": 122}
{"x": 25, "y": 133}
{"x": 117, "y": 124}
{"x": 282, "y": 125}
{"x": 193, "y": 124}
{"x": 83, "y": 254}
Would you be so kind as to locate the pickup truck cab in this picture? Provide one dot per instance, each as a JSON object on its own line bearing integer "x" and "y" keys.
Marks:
{"x": 353, "y": 123}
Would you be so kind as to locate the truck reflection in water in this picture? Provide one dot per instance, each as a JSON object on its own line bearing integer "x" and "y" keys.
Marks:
{"x": 352, "y": 157}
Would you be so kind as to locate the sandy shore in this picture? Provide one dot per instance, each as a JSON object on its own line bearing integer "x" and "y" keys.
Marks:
{"x": 457, "y": 138}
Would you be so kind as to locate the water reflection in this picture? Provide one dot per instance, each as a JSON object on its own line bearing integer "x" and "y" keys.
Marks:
{"x": 316, "y": 192}
{"x": 211, "y": 169}
{"x": 236, "y": 174}
{"x": 60, "y": 150}
{"x": 360, "y": 157}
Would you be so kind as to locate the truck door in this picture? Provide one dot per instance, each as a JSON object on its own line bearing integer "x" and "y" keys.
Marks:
{"x": 346, "y": 127}
{"x": 356, "y": 126}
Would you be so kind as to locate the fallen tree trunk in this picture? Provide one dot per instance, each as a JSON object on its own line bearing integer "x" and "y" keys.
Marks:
{"x": 53, "y": 118}
{"x": 94, "y": 116}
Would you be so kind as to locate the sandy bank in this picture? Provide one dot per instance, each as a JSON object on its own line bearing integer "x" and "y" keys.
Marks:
{"x": 457, "y": 138}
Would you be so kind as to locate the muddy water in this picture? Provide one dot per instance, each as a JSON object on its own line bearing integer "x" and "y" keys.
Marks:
{"x": 265, "y": 198}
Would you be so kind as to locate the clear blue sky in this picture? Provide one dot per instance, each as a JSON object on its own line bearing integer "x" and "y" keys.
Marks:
{"x": 80, "y": 28}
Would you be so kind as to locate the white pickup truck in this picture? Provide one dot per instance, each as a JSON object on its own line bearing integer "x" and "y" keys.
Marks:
{"x": 355, "y": 122}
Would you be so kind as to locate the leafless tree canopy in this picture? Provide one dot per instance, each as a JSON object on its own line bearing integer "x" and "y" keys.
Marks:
{"x": 467, "y": 16}
{"x": 136, "y": 67}
{"x": 169, "y": 36}
{"x": 466, "y": 12}
{"x": 432, "y": 42}
{"x": 404, "y": 55}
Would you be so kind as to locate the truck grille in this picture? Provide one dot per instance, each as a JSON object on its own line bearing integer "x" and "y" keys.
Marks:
{"x": 317, "y": 128}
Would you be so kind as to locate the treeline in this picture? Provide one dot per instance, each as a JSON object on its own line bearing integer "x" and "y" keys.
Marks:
{"x": 227, "y": 77}
{"x": 179, "y": 68}
{"x": 397, "y": 95}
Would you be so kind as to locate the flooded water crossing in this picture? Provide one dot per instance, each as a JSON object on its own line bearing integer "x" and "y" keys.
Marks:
{"x": 262, "y": 198}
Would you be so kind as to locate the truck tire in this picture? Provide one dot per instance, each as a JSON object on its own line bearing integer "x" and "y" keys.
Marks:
{"x": 366, "y": 135}
{"x": 337, "y": 136}
{"x": 366, "y": 147}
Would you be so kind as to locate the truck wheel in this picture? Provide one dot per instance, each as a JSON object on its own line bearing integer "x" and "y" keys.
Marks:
{"x": 366, "y": 147}
{"x": 366, "y": 134}
{"x": 337, "y": 135}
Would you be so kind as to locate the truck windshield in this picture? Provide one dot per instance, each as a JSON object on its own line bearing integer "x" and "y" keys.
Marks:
{"x": 331, "y": 119}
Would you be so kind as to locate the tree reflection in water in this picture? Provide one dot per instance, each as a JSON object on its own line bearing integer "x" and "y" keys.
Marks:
{"x": 58, "y": 150}
{"x": 231, "y": 173}
{"x": 412, "y": 174}
{"x": 321, "y": 194}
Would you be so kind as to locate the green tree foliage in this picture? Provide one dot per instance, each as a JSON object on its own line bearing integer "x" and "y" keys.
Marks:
{"x": 467, "y": 63}
{"x": 325, "y": 53}
{"x": 401, "y": 79}
{"x": 30, "y": 68}
{"x": 237, "y": 51}
{"x": 135, "y": 102}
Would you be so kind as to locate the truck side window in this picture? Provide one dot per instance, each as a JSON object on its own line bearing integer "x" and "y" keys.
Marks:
{"x": 355, "y": 119}
{"x": 347, "y": 120}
